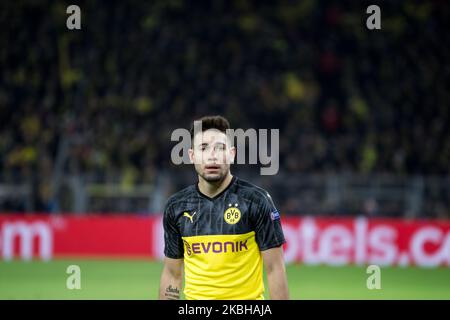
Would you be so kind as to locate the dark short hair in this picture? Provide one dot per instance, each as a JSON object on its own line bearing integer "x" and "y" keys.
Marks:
{"x": 211, "y": 122}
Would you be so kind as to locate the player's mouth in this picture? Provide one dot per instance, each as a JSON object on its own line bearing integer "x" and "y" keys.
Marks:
{"x": 212, "y": 167}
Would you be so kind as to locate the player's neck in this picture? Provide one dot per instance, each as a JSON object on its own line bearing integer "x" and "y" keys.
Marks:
{"x": 211, "y": 189}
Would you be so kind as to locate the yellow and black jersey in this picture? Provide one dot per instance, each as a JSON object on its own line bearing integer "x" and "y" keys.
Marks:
{"x": 221, "y": 238}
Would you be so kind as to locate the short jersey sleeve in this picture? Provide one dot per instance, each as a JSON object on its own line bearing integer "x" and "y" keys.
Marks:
{"x": 268, "y": 230}
{"x": 173, "y": 243}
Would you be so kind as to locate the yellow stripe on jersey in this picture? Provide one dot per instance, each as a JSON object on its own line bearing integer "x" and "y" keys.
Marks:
{"x": 223, "y": 267}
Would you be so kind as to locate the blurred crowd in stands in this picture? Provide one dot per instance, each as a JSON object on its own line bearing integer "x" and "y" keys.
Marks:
{"x": 106, "y": 98}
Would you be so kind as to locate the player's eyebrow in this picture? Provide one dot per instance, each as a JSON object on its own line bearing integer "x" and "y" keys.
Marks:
{"x": 204, "y": 144}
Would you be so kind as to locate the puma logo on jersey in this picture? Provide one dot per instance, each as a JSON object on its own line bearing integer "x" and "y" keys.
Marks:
{"x": 186, "y": 214}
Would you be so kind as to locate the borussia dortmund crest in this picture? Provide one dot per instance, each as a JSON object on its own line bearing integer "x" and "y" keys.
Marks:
{"x": 232, "y": 215}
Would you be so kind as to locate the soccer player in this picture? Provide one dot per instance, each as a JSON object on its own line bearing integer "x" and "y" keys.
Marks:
{"x": 223, "y": 229}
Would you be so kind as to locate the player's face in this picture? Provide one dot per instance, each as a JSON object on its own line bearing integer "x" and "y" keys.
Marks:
{"x": 212, "y": 155}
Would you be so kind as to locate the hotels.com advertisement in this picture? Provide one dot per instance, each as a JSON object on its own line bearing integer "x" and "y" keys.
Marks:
{"x": 331, "y": 241}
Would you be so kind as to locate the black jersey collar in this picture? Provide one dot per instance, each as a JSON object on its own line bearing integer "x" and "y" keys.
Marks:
{"x": 217, "y": 195}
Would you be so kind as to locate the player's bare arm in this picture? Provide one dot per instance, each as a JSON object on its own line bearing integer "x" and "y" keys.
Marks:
{"x": 171, "y": 279}
{"x": 276, "y": 273}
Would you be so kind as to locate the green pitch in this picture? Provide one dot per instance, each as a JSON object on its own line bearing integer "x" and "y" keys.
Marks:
{"x": 129, "y": 279}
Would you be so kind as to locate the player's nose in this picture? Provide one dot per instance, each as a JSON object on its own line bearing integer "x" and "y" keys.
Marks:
{"x": 212, "y": 155}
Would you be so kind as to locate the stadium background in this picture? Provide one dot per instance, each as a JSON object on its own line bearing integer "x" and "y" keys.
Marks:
{"x": 86, "y": 117}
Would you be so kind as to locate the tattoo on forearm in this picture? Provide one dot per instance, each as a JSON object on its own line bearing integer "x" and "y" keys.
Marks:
{"x": 172, "y": 293}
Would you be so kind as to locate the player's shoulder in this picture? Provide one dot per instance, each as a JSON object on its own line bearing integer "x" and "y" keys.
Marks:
{"x": 181, "y": 196}
{"x": 252, "y": 191}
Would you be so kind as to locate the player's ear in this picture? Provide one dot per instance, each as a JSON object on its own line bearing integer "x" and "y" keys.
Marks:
{"x": 232, "y": 154}
{"x": 191, "y": 155}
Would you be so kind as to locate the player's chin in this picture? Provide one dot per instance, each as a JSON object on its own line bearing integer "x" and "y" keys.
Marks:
{"x": 213, "y": 177}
